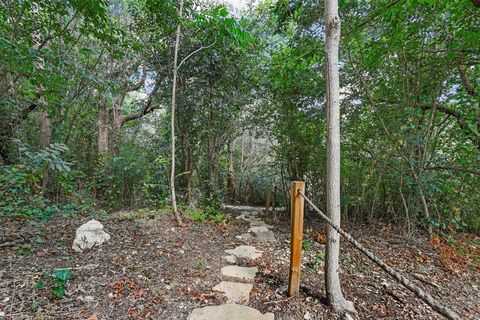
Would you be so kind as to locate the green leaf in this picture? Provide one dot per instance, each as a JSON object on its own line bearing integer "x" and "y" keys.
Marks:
{"x": 40, "y": 284}
{"x": 62, "y": 274}
{"x": 59, "y": 292}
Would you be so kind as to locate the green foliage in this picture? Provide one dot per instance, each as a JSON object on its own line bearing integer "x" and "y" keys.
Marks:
{"x": 204, "y": 214}
{"x": 401, "y": 146}
{"x": 255, "y": 84}
{"x": 21, "y": 184}
{"x": 56, "y": 282}
{"x": 306, "y": 245}
{"x": 319, "y": 257}
{"x": 200, "y": 265}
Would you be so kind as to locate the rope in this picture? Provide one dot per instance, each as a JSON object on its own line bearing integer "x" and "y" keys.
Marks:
{"x": 425, "y": 296}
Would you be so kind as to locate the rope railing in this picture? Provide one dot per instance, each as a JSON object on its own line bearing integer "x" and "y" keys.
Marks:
{"x": 425, "y": 296}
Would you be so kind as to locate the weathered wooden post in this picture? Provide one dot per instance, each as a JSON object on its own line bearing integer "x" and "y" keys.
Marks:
{"x": 297, "y": 206}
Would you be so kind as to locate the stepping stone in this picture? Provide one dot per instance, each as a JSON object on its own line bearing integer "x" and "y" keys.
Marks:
{"x": 248, "y": 252}
{"x": 242, "y": 273}
{"x": 229, "y": 312}
{"x": 265, "y": 236}
{"x": 257, "y": 223}
{"x": 230, "y": 259}
{"x": 249, "y": 217}
{"x": 235, "y": 292}
{"x": 247, "y": 214}
{"x": 245, "y": 237}
{"x": 259, "y": 229}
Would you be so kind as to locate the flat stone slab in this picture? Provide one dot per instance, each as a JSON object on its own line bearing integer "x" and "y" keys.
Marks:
{"x": 248, "y": 252}
{"x": 247, "y": 214}
{"x": 229, "y": 312}
{"x": 259, "y": 229}
{"x": 242, "y": 273}
{"x": 245, "y": 237}
{"x": 249, "y": 217}
{"x": 235, "y": 292}
{"x": 266, "y": 236}
{"x": 230, "y": 259}
{"x": 257, "y": 223}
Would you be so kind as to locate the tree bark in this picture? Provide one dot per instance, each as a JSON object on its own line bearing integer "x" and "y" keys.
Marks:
{"x": 172, "y": 122}
{"x": 44, "y": 129}
{"x": 332, "y": 277}
{"x": 102, "y": 123}
{"x": 230, "y": 182}
{"x": 45, "y": 133}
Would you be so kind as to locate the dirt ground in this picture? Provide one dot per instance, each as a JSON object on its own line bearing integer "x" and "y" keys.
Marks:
{"x": 152, "y": 269}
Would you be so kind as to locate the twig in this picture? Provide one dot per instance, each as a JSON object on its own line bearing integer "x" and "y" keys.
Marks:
{"x": 422, "y": 278}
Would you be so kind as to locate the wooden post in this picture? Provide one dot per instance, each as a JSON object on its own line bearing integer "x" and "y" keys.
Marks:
{"x": 297, "y": 206}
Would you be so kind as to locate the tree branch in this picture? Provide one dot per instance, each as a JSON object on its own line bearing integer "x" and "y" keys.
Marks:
{"x": 463, "y": 124}
{"x": 137, "y": 85}
{"x": 195, "y": 51}
{"x": 147, "y": 107}
{"x": 453, "y": 169}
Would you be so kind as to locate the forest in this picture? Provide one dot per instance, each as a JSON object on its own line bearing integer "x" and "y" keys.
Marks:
{"x": 164, "y": 129}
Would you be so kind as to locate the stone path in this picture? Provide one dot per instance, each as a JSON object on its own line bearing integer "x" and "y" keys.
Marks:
{"x": 237, "y": 291}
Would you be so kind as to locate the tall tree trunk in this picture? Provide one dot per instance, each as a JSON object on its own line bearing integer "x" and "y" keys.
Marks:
{"x": 188, "y": 169}
{"x": 102, "y": 123}
{"x": 230, "y": 182}
{"x": 44, "y": 129}
{"x": 332, "y": 277}
{"x": 172, "y": 123}
{"x": 45, "y": 134}
{"x": 117, "y": 122}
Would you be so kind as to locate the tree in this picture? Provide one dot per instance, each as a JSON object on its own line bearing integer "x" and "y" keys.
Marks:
{"x": 332, "y": 278}
{"x": 172, "y": 122}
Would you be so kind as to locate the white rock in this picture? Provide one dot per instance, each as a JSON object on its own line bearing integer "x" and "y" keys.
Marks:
{"x": 230, "y": 312}
{"x": 89, "y": 235}
{"x": 307, "y": 316}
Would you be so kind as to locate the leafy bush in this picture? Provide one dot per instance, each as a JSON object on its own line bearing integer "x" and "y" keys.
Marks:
{"x": 205, "y": 214}
{"x": 23, "y": 185}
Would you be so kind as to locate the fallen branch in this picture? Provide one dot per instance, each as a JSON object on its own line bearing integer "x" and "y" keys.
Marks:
{"x": 426, "y": 297}
{"x": 422, "y": 278}
{"x": 11, "y": 244}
